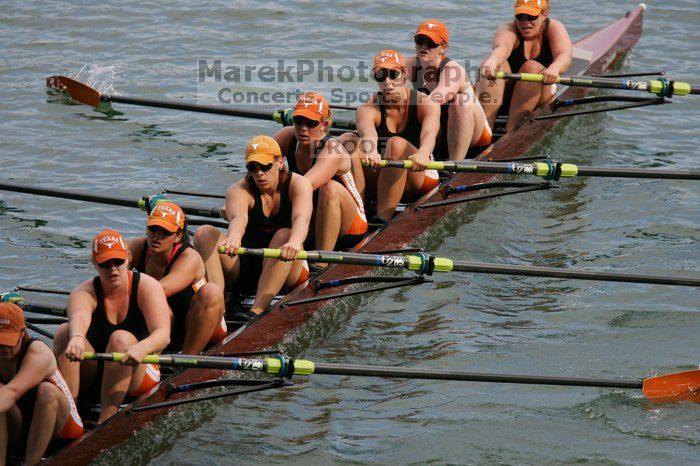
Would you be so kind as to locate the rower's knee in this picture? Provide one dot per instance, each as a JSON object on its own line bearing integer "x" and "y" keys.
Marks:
{"x": 350, "y": 142}
{"x": 205, "y": 237}
{"x": 531, "y": 66}
{"x": 120, "y": 340}
{"x": 328, "y": 193}
{"x": 47, "y": 396}
{"x": 396, "y": 148}
{"x": 281, "y": 236}
{"x": 211, "y": 295}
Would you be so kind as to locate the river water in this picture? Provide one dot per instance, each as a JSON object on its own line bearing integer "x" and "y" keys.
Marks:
{"x": 460, "y": 322}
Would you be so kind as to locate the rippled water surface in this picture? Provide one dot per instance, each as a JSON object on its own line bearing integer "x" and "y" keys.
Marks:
{"x": 460, "y": 322}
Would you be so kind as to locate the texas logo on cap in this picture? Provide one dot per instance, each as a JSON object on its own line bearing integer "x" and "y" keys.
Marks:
{"x": 436, "y": 30}
{"x": 530, "y": 7}
{"x": 167, "y": 215}
{"x": 313, "y": 106}
{"x": 389, "y": 60}
{"x": 11, "y": 323}
{"x": 107, "y": 245}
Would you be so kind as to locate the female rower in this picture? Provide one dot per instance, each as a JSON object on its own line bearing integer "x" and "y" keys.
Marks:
{"x": 463, "y": 123}
{"x": 119, "y": 310}
{"x": 532, "y": 43}
{"x": 165, "y": 254}
{"x": 340, "y": 221}
{"x": 270, "y": 207}
{"x": 398, "y": 123}
{"x": 35, "y": 403}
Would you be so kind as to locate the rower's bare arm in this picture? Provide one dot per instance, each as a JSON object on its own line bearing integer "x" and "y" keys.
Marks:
{"x": 562, "y": 47}
{"x": 81, "y": 304}
{"x": 301, "y": 194}
{"x": 501, "y": 47}
{"x": 156, "y": 312}
{"x": 284, "y": 138}
{"x": 367, "y": 119}
{"x": 451, "y": 80}
{"x": 183, "y": 273}
{"x": 327, "y": 164}
{"x": 238, "y": 202}
{"x": 429, "y": 116}
{"x": 37, "y": 365}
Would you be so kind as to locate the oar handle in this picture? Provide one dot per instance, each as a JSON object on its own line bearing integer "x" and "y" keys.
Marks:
{"x": 542, "y": 169}
{"x": 660, "y": 87}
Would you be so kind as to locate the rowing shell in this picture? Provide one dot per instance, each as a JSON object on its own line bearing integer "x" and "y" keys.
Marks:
{"x": 596, "y": 53}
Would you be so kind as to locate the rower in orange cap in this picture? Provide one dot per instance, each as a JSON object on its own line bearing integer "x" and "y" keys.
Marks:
{"x": 339, "y": 211}
{"x": 398, "y": 123}
{"x": 463, "y": 123}
{"x": 119, "y": 310}
{"x": 165, "y": 254}
{"x": 35, "y": 403}
{"x": 269, "y": 208}
{"x": 531, "y": 43}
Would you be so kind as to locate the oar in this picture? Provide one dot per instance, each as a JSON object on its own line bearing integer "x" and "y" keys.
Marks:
{"x": 549, "y": 170}
{"x": 213, "y": 212}
{"x": 661, "y": 87}
{"x": 424, "y": 263}
{"x": 85, "y": 94}
{"x": 37, "y": 307}
{"x": 663, "y": 388}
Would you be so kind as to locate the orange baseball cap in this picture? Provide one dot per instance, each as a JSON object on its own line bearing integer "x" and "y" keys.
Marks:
{"x": 530, "y": 7}
{"x": 11, "y": 323}
{"x": 436, "y": 30}
{"x": 167, "y": 215}
{"x": 313, "y": 106}
{"x": 108, "y": 244}
{"x": 389, "y": 60}
{"x": 262, "y": 149}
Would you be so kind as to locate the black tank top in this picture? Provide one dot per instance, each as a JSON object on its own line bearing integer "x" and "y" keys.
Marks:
{"x": 292, "y": 154}
{"x": 261, "y": 228}
{"x": 418, "y": 79}
{"x": 410, "y": 132}
{"x": 517, "y": 57}
{"x": 101, "y": 329}
{"x": 179, "y": 302}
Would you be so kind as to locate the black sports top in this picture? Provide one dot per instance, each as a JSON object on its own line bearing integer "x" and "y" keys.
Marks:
{"x": 101, "y": 329}
{"x": 261, "y": 228}
{"x": 410, "y": 132}
{"x": 418, "y": 80}
{"x": 517, "y": 57}
{"x": 292, "y": 154}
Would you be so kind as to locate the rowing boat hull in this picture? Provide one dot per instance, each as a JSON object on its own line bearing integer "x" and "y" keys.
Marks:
{"x": 595, "y": 53}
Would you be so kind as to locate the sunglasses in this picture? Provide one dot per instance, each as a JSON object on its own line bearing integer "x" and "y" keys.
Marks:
{"x": 522, "y": 17}
{"x": 381, "y": 75}
{"x": 112, "y": 262}
{"x": 422, "y": 40}
{"x": 300, "y": 121}
{"x": 254, "y": 167}
{"x": 160, "y": 231}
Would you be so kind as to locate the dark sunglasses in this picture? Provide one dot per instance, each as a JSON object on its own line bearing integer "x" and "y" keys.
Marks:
{"x": 522, "y": 17}
{"x": 381, "y": 75}
{"x": 300, "y": 120}
{"x": 253, "y": 167}
{"x": 422, "y": 40}
{"x": 112, "y": 262}
{"x": 160, "y": 231}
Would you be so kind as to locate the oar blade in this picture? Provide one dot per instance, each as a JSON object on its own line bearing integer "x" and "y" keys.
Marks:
{"x": 75, "y": 89}
{"x": 681, "y": 386}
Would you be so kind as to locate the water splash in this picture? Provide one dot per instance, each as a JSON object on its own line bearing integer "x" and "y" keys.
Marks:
{"x": 99, "y": 77}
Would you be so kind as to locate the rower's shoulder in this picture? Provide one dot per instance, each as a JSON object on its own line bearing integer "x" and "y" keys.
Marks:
{"x": 299, "y": 183}
{"x": 284, "y": 137}
{"x": 136, "y": 246}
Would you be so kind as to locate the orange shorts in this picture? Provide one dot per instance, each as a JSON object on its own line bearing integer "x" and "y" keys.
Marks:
{"x": 359, "y": 225}
{"x": 220, "y": 332}
{"x": 303, "y": 275}
{"x": 150, "y": 379}
{"x": 73, "y": 428}
{"x": 485, "y": 139}
{"x": 431, "y": 180}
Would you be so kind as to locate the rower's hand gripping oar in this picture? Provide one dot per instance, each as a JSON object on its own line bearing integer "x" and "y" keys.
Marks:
{"x": 663, "y": 388}
{"x": 426, "y": 264}
{"x": 662, "y": 87}
{"x": 85, "y": 94}
{"x": 549, "y": 169}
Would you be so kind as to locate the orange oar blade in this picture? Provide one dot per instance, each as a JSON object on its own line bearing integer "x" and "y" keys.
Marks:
{"x": 77, "y": 90}
{"x": 681, "y": 386}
